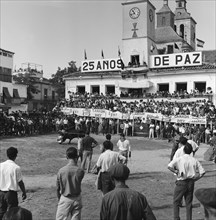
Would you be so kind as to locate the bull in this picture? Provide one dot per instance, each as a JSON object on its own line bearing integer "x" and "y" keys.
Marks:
{"x": 64, "y": 135}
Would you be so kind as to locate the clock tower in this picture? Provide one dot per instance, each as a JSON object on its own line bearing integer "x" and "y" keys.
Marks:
{"x": 138, "y": 35}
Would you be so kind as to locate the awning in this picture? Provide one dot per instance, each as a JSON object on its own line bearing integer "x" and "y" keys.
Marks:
{"x": 135, "y": 85}
{"x": 6, "y": 92}
{"x": 16, "y": 93}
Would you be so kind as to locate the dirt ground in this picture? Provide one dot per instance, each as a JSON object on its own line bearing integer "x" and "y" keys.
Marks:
{"x": 40, "y": 158}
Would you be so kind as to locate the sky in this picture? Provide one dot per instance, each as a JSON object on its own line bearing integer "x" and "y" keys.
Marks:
{"x": 53, "y": 33}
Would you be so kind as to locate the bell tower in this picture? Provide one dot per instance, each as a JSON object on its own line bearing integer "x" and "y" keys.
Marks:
{"x": 185, "y": 25}
{"x": 138, "y": 35}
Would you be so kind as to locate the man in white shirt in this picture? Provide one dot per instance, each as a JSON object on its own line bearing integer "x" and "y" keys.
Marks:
{"x": 106, "y": 160}
{"x": 188, "y": 170}
{"x": 10, "y": 181}
{"x": 124, "y": 147}
{"x": 151, "y": 130}
{"x": 180, "y": 152}
{"x": 194, "y": 145}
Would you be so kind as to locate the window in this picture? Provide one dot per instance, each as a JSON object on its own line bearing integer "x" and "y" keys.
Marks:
{"x": 181, "y": 87}
{"x": 45, "y": 93}
{"x": 163, "y": 21}
{"x": 163, "y": 87}
{"x": 110, "y": 89}
{"x": 181, "y": 31}
{"x": 53, "y": 95}
{"x": 81, "y": 89}
{"x": 169, "y": 49}
{"x": 5, "y": 74}
{"x": 95, "y": 89}
{"x": 201, "y": 86}
{"x": 134, "y": 60}
{"x": 175, "y": 28}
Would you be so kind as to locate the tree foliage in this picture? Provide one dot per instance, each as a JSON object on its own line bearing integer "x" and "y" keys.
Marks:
{"x": 57, "y": 78}
{"x": 26, "y": 79}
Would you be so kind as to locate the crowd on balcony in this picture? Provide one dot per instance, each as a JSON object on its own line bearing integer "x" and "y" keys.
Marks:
{"x": 113, "y": 103}
{"x": 182, "y": 94}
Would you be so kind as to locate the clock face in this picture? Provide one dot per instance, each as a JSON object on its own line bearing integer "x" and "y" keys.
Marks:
{"x": 134, "y": 13}
{"x": 151, "y": 15}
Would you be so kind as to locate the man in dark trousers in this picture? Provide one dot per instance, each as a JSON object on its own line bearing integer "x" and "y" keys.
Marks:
{"x": 123, "y": 203}
{"x": 68, "y": 183}
{"x": 188, "y": 170}
{"x": 108, "y": 141}
{"x": 88, "y": 143}
{"x": 10, "y": 181}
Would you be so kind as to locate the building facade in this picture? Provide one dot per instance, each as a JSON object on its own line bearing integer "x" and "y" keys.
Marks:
{"x": 46, "y": 97}
{"x": 12, "y": 95}
{"x": 160, "y": 57}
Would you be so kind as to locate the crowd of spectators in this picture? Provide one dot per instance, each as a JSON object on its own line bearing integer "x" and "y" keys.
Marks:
{"x": 24, "y": 123}
{"x": 182, "y": 94}
{"x": 114, "y": 103}
{"x": 21, "y": 123}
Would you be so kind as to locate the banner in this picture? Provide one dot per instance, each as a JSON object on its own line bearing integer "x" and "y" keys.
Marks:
{"x": 176, "y": 60}
{"x": 146, "y": 117}
{"x": 101, "y": 65}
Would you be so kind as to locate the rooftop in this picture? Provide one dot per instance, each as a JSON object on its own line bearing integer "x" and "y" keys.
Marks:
{"x": 166, "y": 35}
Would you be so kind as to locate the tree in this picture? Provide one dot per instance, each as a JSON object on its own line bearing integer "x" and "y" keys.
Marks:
{"x": 26, "y": 79}
{"x": 57, "y": 78}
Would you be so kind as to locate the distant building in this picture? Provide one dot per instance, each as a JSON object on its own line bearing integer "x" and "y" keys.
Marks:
{"x": 152, "y": 58}
{"x": 12, "y": 96}
{"x": 46, "y": 97}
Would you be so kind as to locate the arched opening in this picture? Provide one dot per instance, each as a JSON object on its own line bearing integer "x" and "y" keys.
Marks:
{"x": 181, "y": 31}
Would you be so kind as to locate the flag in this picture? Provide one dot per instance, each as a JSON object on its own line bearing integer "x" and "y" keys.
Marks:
{"x": 200, "y": 43}
{"x": 176, "y": 46}
{"x": 152, "y": 48}
{"x": 102, "y": 54}
{"x": 85, "y": 55}
{"x": 119, "y": 52}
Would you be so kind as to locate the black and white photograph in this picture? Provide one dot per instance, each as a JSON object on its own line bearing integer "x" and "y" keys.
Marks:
{"x": 107, "y": 109}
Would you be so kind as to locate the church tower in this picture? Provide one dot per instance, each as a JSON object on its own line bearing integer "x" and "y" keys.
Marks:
{"x": 185, "y": 25}
{"x": 138, "y": 37}
{"x": 165, "y": 17}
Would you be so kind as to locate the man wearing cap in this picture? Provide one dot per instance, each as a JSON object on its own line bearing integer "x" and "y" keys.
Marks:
{"x": 185, "y": 167}
{"x": 106, "y": 160}
{"x": 10, "y": 181}
{"x": 123, "y": 203}
{"x": 68, "y": 184}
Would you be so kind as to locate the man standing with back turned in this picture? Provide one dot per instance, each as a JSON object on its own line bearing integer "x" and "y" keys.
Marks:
{"x": 69, "y": 180}
{"x": 88, "y": 144}
{"x": 185, "y": 167}
{"x": 10, "y": 181}
{"x": 123, "y": 203}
